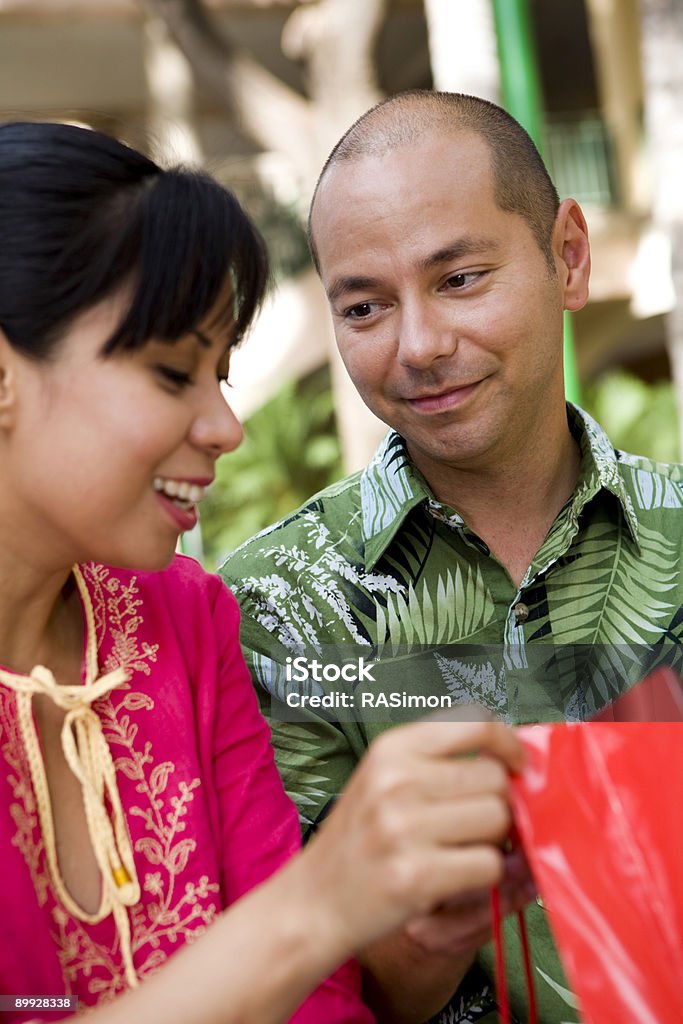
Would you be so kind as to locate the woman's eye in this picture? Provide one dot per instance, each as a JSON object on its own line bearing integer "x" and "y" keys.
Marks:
{"x": 178, "y": 378}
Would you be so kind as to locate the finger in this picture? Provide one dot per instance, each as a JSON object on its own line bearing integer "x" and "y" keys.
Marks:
{"x": 388, "y": 776}
{"x": 467, "y": 903}
{"x": 454, "y": 942}
{"x": 415, "y": 825}
{"x": 461, "y": 777}
{"x": 464, "y": 923}
{"x": 515, "y": 892}
{"x": 439, "y": 738}
{"x": 416, "y": 886}
{"x": 480, "y": 819}
{"x": 460, "y": 870}
{"x": 450, "y": 932}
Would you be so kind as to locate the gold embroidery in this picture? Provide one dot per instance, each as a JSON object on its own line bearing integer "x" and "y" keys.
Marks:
{"x": 24, "y": 812}
{"x": 116, "y": 614}
{"x": 177, "y": 916}
{"x": 79, "y": 953}
{"x": 169, "y": 916}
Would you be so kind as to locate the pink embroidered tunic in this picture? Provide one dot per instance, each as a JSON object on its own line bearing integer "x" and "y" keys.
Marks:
{"x": 204, "y": 806}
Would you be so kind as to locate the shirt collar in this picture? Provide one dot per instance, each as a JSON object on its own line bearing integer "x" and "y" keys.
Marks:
{"x": 599, "y": 467}
{"x": 391, "y": 486}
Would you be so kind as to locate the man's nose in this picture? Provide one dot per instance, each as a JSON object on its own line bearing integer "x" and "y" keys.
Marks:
{"x": 426, "y": 334}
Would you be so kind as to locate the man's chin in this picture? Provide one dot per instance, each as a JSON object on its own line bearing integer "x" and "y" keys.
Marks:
{"x": 463, "y": 449}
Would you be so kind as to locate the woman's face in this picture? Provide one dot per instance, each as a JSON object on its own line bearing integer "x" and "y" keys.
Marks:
{"x": 108, "y": 456}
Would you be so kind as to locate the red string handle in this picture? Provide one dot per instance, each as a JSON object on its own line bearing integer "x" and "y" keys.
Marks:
{"x": 528, "y": 972}
{"x": 501, "y": 982}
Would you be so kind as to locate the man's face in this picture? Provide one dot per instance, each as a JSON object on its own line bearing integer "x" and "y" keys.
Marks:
{"x": 446, "y": 313}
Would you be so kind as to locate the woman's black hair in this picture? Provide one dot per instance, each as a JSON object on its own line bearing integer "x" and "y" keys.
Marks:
{"x": 83, "y": 215}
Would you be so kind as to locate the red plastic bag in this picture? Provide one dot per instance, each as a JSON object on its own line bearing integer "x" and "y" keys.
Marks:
{"x": 657, "y": 698}
{"x": 599, "y": 809}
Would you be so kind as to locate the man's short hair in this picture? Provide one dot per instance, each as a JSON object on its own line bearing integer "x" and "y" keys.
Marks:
{"x": 521, "y": 181}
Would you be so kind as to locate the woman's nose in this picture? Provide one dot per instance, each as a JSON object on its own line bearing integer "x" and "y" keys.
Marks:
{"x": 216, "y": 427}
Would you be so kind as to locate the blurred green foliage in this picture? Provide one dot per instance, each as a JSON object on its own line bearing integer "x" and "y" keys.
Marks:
{"x": 280, "y": 224}
{"x": 290, "y": 451}
{"x": 278, "y": 219}
{"x": 638, "y": 417}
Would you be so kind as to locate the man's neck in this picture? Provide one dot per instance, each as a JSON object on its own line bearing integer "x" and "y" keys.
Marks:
{"x": 512, "y": 503}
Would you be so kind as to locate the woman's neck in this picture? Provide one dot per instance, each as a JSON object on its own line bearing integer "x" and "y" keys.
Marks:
{"x": 41, "y": 620}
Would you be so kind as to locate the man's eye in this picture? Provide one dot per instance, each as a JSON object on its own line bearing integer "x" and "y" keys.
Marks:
{"x": 178, "y": 378}
{"x": 361, "y": 311}
{"x": 457, "y": 281}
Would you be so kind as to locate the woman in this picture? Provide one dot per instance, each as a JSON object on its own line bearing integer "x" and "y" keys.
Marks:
{"x": 138, "y": 796}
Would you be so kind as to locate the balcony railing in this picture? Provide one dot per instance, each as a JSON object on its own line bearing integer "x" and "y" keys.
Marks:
{"x": 580, "y": 158}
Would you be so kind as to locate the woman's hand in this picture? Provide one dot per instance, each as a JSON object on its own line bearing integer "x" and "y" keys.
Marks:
{"x": 417, "y": 825}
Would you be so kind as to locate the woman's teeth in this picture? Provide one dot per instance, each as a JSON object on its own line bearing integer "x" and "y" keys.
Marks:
{"x": 181, "y": 492}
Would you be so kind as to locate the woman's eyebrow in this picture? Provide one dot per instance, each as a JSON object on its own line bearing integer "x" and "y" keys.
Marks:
{"x": 202, "y": 338}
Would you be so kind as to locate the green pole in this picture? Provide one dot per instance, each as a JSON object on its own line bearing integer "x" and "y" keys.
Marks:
{"x": 520, "y": 82}
{"x": 522, "y": 97}
{"x": 572, "y": 386}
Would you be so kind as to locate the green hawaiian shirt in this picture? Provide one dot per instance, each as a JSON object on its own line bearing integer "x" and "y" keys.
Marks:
{"x": 375, "y": 567}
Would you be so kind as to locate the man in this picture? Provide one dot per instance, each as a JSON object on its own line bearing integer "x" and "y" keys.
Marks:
{"x": 493, "y": 515}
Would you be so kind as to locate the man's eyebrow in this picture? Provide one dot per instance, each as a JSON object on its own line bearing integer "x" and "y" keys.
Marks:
{"x": 458, "y": 250}
{"x": 353, "y": 283}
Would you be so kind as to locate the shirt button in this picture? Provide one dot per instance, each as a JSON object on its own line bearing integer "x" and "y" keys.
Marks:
{"x": 521, "y": 613}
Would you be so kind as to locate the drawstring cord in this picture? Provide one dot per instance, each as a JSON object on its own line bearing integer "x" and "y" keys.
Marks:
{"x": 89, "y": 758}
{"x": 501, "y": 983}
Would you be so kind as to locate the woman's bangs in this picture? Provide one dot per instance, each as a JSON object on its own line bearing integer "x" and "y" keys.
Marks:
{"x": 192, "y": 238}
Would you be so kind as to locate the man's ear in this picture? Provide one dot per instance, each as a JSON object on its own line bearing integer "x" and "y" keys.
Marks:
{"x": 8, "y": 382}
{"x": 571, "y": 249}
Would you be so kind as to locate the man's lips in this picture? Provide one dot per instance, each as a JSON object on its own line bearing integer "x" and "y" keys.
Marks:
{"x": 448, "y": 398}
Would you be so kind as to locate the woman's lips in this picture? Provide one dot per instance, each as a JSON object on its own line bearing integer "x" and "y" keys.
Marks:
{"x": 184, "y": 519}
{"x": 444, "y": 400}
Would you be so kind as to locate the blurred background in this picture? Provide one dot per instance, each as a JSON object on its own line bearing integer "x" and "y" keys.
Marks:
{"x": 258, "y": 91}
